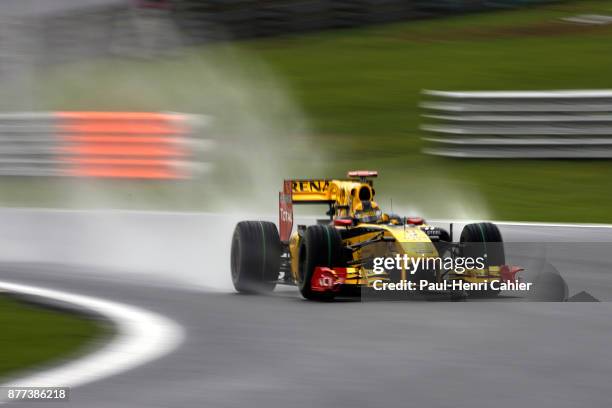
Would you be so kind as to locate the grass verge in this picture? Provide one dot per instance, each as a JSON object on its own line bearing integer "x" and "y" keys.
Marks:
{"x": 32, "y": 336}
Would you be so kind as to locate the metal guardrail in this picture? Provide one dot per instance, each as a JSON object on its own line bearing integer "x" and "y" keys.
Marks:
{"x": 139, "y": 145}
{"x": 499, "y": 124}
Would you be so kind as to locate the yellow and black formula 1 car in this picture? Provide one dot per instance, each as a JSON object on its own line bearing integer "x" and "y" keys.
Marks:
{"x": 341, "y": 255}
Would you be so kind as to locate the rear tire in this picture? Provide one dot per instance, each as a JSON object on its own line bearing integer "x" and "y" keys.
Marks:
{"x": 255, "y": 257}
{"x": 475, "y": 239}
{"x": 321, "y": 246}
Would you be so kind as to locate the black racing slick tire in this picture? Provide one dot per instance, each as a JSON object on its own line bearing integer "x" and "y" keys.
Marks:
{"x": 255, "y": 257}
{"x": 483, "y": 240}
{"x": 321, "y": 246}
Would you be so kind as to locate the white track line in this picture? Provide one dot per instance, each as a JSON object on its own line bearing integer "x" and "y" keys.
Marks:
{"x": 142, "y": 336}
{"x": 529, "y": 224}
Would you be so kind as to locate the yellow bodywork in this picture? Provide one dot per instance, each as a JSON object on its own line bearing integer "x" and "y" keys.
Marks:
{"x": 342, "y": 194}
{"x": 411, "y": 241}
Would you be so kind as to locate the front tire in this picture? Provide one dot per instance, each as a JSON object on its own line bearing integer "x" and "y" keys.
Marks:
{"x": 255, "y": 257}
{"x": 483, "y": 240}
{"x": 321, "y": 246}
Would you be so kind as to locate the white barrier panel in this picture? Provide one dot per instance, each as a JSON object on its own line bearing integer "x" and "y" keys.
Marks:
{"x": 518, "y": 124}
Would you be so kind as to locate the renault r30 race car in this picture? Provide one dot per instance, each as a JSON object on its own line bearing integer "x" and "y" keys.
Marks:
{"x": 337, "y": 256}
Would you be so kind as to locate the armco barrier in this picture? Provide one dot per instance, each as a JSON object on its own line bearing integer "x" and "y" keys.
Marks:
{"x": 141, "y": 145}
{"x": 541, "y": 124}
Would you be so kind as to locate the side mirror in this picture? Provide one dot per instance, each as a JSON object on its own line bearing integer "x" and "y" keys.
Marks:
{"x": 343, "y": 222}
{"x": 415, "y": 221}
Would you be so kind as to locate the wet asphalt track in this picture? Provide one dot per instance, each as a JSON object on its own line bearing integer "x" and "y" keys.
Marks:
{"x": 282, "y": 351}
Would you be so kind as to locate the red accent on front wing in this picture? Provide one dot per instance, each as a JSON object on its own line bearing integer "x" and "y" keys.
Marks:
{"x": 508, "y": 272}
{"x": 325, "y": 279}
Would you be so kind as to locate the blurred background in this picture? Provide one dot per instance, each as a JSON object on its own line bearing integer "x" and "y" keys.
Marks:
{"x": 241, "y": 94}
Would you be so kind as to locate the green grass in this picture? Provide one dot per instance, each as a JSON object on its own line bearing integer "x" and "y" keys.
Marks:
{"x": 32, "y": 337}
{"x": 359, "y": 90}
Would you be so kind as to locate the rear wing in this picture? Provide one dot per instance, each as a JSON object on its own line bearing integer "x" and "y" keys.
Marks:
{"x": 300, "y": 192}
{"x": 310, "y": 191}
